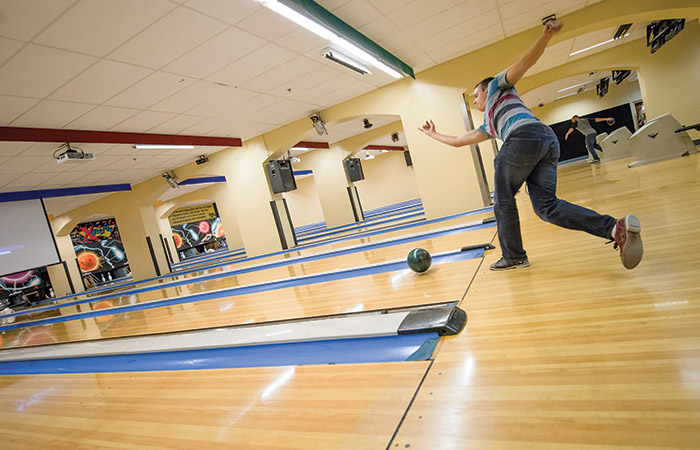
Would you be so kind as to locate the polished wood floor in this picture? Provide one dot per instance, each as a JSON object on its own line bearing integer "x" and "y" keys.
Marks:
{"x": 575, "y": 352}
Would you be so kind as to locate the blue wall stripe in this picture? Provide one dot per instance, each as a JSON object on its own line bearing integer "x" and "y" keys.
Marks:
{"x": 336, "y": 351}
{"x": 62, "y": 192}
{"x": 202, "y": 180}
{"x": 271, "y": 265}
{"x": 303, "y": 172}
{"x": 243, "y": 290}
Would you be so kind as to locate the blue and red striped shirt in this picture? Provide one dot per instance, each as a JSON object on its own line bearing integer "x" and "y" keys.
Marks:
{"x": 505, "y": 111}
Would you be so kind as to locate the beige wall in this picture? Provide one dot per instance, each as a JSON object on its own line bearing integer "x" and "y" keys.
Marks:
{"x": 304, "y": 205}
{"x": 387, "y": 181}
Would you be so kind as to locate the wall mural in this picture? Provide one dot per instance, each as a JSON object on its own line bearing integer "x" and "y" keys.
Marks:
{"x": 98, "y": 246}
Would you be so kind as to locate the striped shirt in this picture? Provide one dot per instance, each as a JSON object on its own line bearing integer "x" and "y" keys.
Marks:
{"x": 505, "y": 111}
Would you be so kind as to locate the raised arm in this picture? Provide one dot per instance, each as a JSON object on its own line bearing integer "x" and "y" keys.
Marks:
{"x": 532, "y": 54}
{"x": 470, "y": 137}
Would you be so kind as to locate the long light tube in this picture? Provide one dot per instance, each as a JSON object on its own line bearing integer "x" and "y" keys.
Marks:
{"x": 327, "y": 34}
{"x": 162, "y": 146}
{"x": 594, "y": 46}
{"x": 575, "y": 85}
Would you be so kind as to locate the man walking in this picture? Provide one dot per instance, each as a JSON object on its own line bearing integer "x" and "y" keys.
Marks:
{"x": 530, "y": 153}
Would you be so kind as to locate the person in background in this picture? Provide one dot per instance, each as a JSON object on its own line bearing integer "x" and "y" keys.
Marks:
{"x": 585, "y": 128}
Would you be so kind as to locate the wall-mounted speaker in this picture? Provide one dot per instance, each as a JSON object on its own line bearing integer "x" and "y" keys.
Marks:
{"x": 353, "y": 167}
{"x": 281, "y": 176}
{"x": 407, "y": 155}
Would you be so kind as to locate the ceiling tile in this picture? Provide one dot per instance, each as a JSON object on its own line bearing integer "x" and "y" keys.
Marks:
{"x": 23, "y": 164}
{"x": 100, "y": 82}
{"x": 143, "y": 121}
{"x": 419, "y": 10}
{"x": 29, "y": 17}
{"x": 302, "y": 41}
{"x": 386, "y": 6}
{"x": 52, "y": 114}
{"x": 216, "y": 53}
{"x": 30, "y": 181}
{"x": 228, "y": 103}
{"x": 379, "y": 28}
{"x": 357, "y": 13}
{"x": 13, "y": 107}
{"x": 190, "y": 97}
{"x": 226, "y": 10}
{"x": 464, "y": 16}
{"x": 252, "y": 65}
{"x": 177, "y": 124}
{"x": 282, "y": 74}
{"x": 97, "y": 27}
{"x": 169, "y": 38}
{"x": 486, "y": 22}
{"x": 46, "y": 149}
{"x": 267, "y": 24}
{"x": 21, "y": 75}
{"x": 150, "y": 90}
{"x": 8, "y": 47}
{"x": 102, "y": 118}
{"x": 13, "y": 148}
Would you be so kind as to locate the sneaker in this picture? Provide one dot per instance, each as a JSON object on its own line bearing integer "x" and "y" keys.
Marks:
{"x": 629, "y": 241}
{"x": 594, "y": 161}
{"x": 505, "y": 264}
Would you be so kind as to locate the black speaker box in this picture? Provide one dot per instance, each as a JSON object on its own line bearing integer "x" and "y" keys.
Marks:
{"x": 353, "y": 167}
{"x": 281, "y": 176}
{"x": 407, "y": 155}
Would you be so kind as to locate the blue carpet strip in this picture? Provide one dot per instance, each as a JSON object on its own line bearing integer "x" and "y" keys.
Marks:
{"x": 276, "y": 264}
{"x": 252, "y": 289}
{"x": 412, "y": 347}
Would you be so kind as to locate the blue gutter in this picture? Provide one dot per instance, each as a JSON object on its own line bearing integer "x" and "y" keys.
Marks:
{"x": 252, "y": 289}
{"x": 292, "y": 250}
{"x": 409, "y": 347}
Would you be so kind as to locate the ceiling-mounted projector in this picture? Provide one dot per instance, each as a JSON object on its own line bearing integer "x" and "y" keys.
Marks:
{"x": 65, "y": 153}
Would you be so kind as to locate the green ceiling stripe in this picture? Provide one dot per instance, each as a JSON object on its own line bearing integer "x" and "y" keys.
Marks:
{"x": 313, "y": 10}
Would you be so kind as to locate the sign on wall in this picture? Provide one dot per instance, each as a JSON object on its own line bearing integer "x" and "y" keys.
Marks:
{"x": 192, "y": 214}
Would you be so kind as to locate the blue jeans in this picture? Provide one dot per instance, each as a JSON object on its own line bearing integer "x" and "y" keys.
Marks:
{"x": 531, "y": 154}
{"x": 591, "y": 144}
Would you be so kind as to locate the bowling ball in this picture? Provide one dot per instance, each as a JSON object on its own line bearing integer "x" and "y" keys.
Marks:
{"x": 419, "y": 260}
{"x": 88, "y": 261}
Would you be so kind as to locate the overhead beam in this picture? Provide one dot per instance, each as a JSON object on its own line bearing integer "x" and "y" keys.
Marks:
{"x": 19, "y": 134}
{"x": 395, "y": 148}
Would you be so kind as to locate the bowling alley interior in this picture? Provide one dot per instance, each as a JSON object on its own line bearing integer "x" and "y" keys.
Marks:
{"x": 234, "y": 224}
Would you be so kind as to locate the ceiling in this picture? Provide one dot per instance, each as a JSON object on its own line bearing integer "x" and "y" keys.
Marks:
{"x": 208, "y": 68}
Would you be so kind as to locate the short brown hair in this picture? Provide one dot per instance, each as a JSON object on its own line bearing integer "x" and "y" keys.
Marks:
{"x": 484, "y": 84}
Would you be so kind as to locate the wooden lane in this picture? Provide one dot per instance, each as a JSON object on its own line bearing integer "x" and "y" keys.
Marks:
{"x": 442, "y": 283}
{"x": 360, "y": 259}
{"x": 576, "y": 351}
{"x": 303, "y": 407}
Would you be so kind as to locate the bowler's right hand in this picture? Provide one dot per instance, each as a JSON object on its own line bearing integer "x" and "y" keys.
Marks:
{"x": 428, "y": 128}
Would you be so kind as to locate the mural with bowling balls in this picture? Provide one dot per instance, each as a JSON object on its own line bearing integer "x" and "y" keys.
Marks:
{"x": 192, "y": 234}
{"x": 98, "y": 246}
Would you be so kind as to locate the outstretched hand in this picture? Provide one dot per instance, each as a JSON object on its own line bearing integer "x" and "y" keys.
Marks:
{"x": 611, "y": 121}
{"x": 553, "y": 27}
{"x": 428, "y": 128}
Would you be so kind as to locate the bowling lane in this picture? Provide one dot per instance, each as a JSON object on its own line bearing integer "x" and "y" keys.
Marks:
{"x": 445, "y": 282}
{"x": 303, "y": 251}
{"x": 342, "y": 262}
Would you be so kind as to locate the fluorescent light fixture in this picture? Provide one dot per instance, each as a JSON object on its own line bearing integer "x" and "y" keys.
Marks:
{"x": 564, "y": 96}
{"x": 299, "y": 148}
{"x": 345, "y": 61}
{"x": 594, "y": 46}
{"x": 162, "y": 146}
{"x": 327, "y": 34}
{"x": 575, "y": 85}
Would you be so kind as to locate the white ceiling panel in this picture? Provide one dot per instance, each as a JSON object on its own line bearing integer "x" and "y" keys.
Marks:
{"x": 190, "y": 97}
{"x": 519, "y": 16}
{"x": 357, "y": 12}
{"x": 100, "y": 82}
{"x": 231, "y": 11}
{"x": 102, "y": 118}
{"x": 28, "y": 17}
{"x": 464, "y": 16}
{"x": 177, "y": 124}
{"x": 109, "y": 24}
{"x": 8, "y": 149}
{"x": 282, "y": 74}
{"x": 301, "y": 41}
{"x": 228, "y": 103}
{"x": 13, "y": 107}
{"x": 267, "y": 24}
{"x": 51, "y": 114}
{"x": 252, "y": 65}
{"x": 216, "y": 53}
{"x": 167, "y": 39}
{"x": 151, "y": 90}
{"x": 417, "y": 11}
{"x": 29, "y": 181}
{"x": 485, "y": 24}
{"x": 143, "y": 121}
{"x": 345, "y": 92}
{"x": 22, "y": 76}
{"x": 379, "y": 28}
{"x": 22, "y": 164}
{"x": 46, "y": 150}
{"x": 8, "y": 47}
